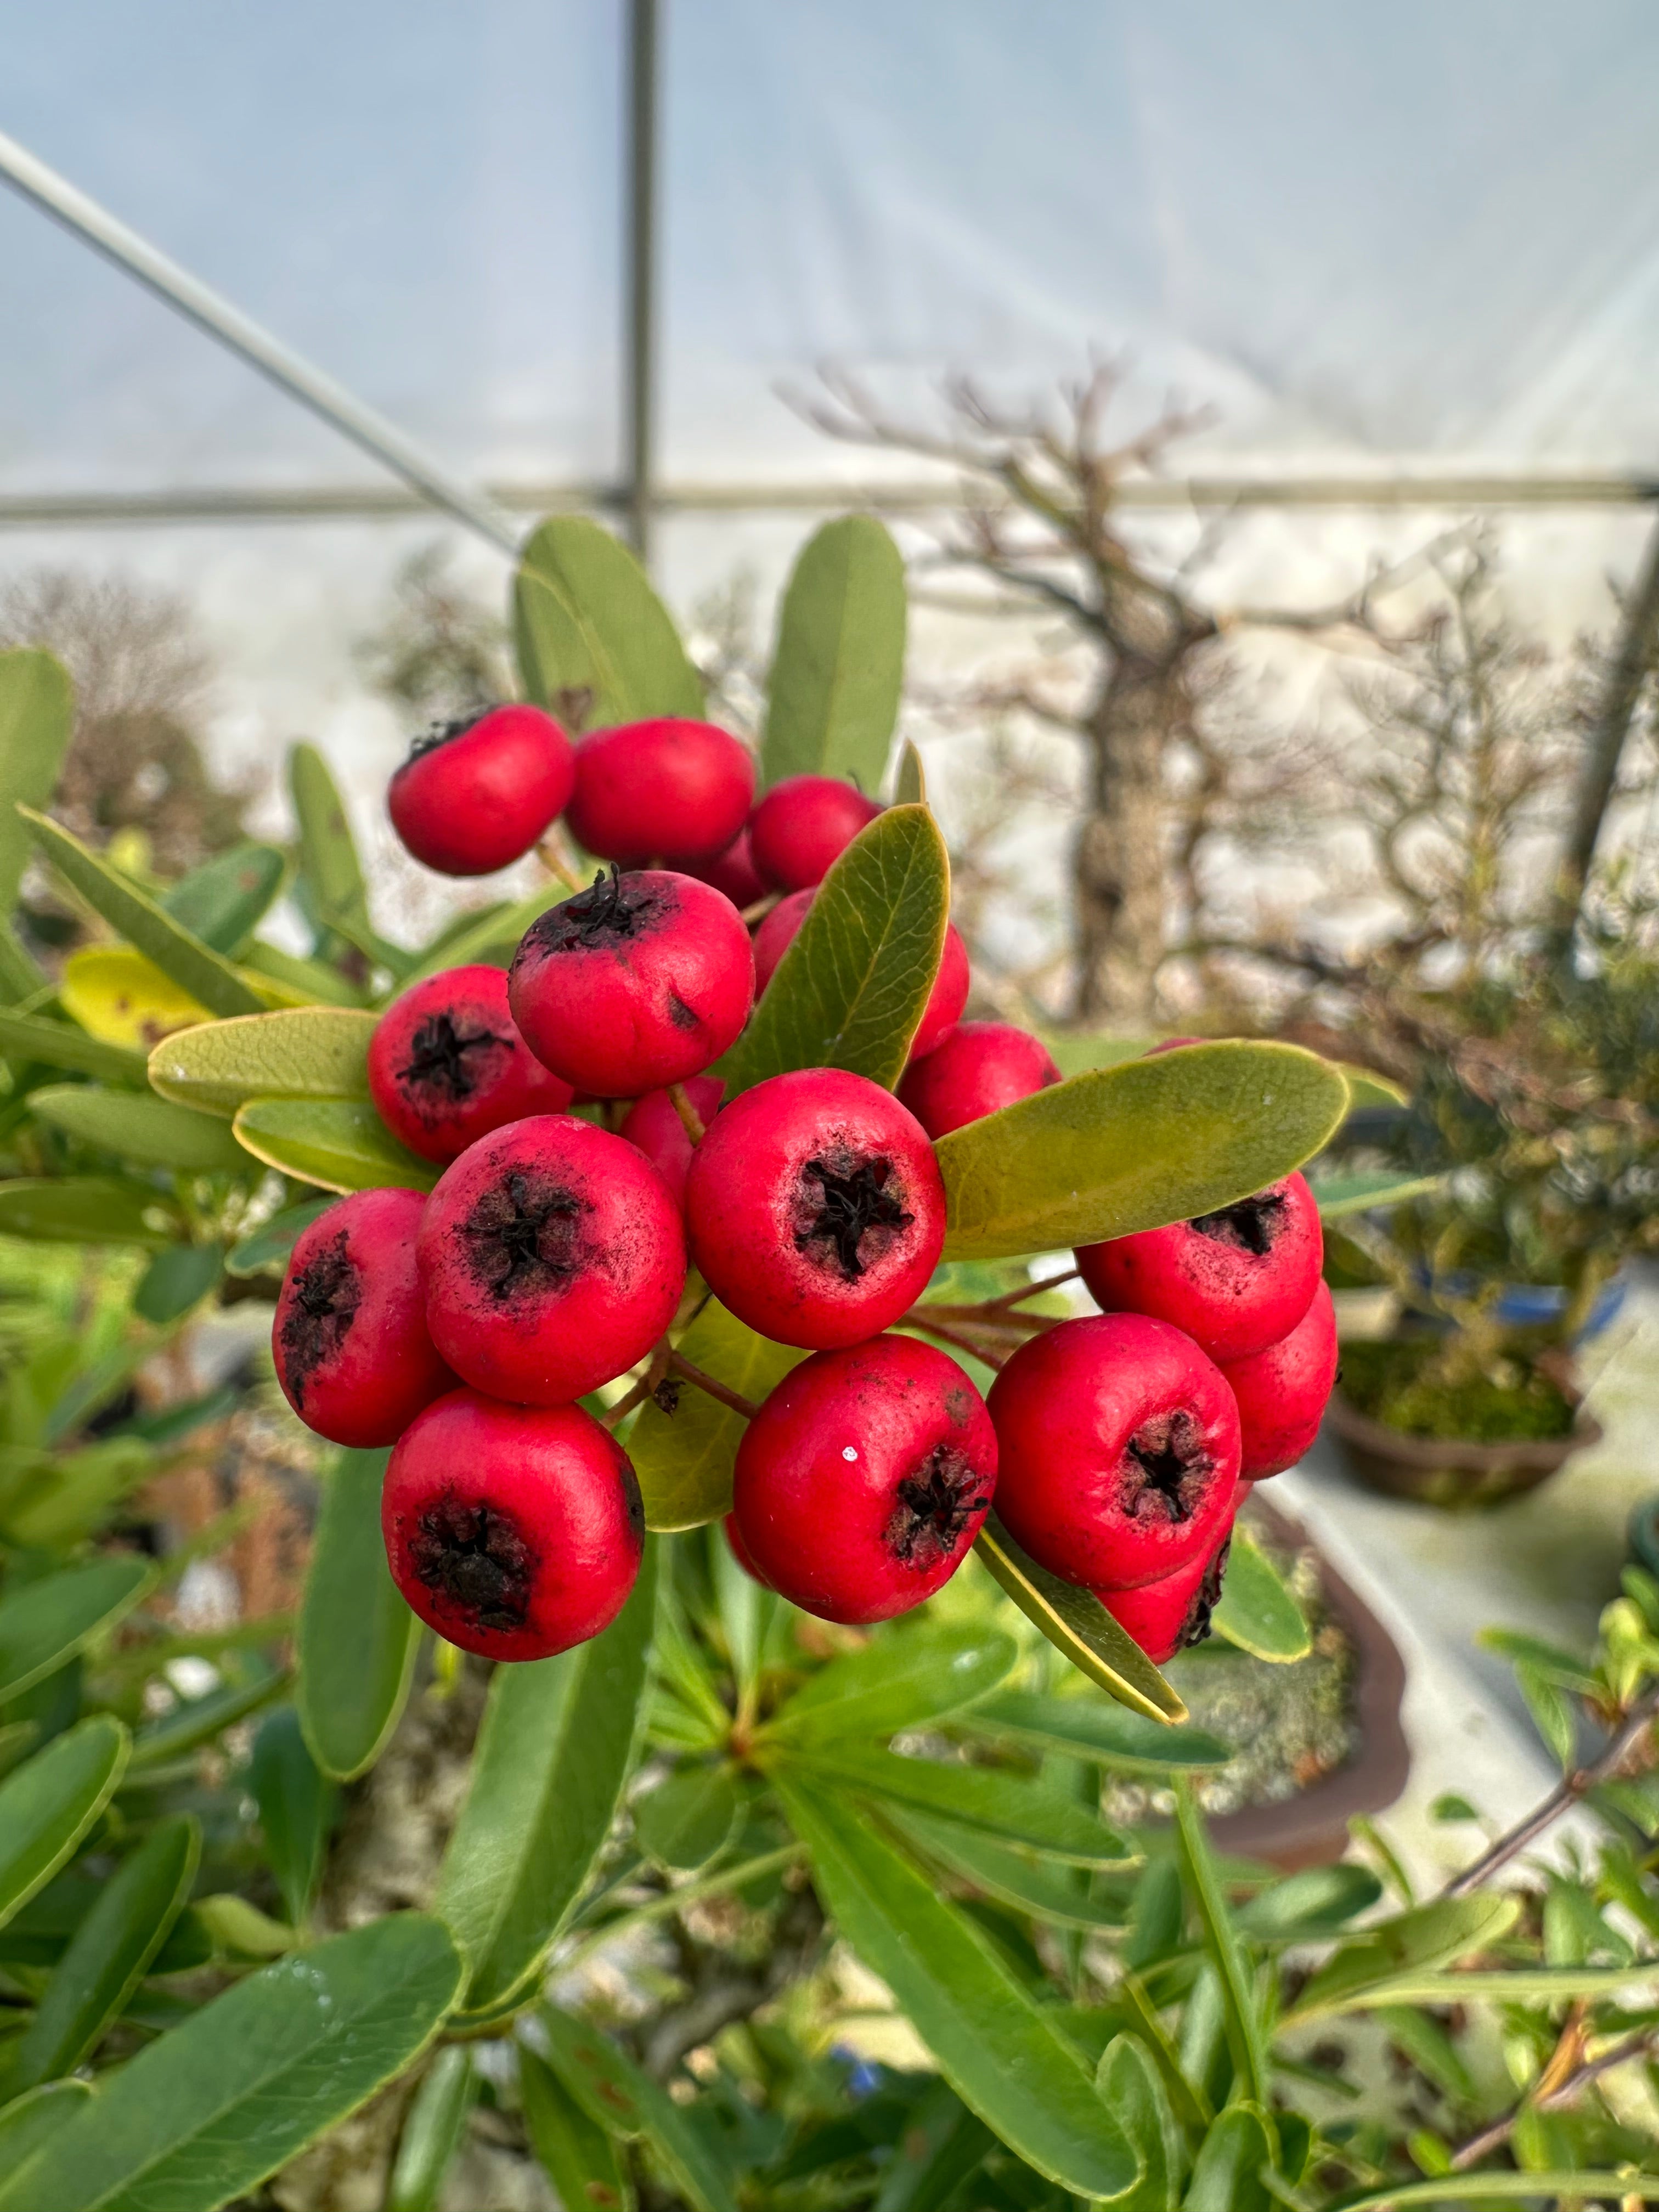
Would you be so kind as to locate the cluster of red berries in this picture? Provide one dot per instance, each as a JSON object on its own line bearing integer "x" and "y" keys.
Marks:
{"x": 464, "y": 1328}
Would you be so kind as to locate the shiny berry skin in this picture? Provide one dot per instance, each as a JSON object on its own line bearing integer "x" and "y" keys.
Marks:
{"x": 447, "y": 1063}
{"x": 948, "y": 995}
{"x": 731, "y": 871}
{"x": 1171, "y": 1615}
{"x": 515, "y": 1531}
{"x": 739, "y": 1550}
{"x": 815, "y": 1208}
{"x": 802, "y": 826}
{"x": 777, "y": 932}
{"x": 1235, "y": 1281}
{"x": 974, "y": 1069}
{"x": 1119, "y": 1450}
{"x": 1282, "y": 1391}
{"x": 349, "y": 1335}
{"x": 660, "y": 792}
{"x": 861, "y": 1483}
{"x": 634, "y": 984}
{"x": 478, "y": 794}
{"x": 654, "y": 1125}
{"x": 552, "y": 1258}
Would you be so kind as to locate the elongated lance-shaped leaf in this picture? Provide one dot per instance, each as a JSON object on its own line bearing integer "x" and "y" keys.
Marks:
{"x": 194, "y": 967}
{"x": 1257, "y": 1610}
{"x": 328, "y": 851}
{"x": 153, "y": 1132}
{"x": 851, "y": 989}
{"x": 621, "y": 2098}
{"x": 1413, "y": 1943}
{"x": 903, "y": 1680}
{"x": 684, "y": 1459}
{"x": 339, "y": 1144}
{"x": 580, "y": 2157}
{"x": 1110, "y": 1734}
{"x": 596, "y": 645}
{"x": 297, "y": 1803}
{"x": 1128, "y": 2083}
{"x": 26, "y": 2121}
{"x": 48, "y": 1803}
{"x": 838, "y": 667}
{"x": 298, "y": 1051}
{"x": 559, "y": 1740}
{"x": 1078, "y": 1625}
{"x": 910, "y": 785}
{"x": 85, "y": 1210}
{"x": 1001, "y": 1871}
{"x": 221, "y": 901}
{"x": 37, "y": 712}
{"x": 1338, "y": 1196}
{"x": 203, "y": 2113}
{"x": 356, "y": 1639}
{"x": 61, "y": 1044}
{"x": 1032, "y": 1814}
{"x": 432, "y": 2131}
{"x": 46, "y": 1622}
{"x": 1134, "y": 1146}
{"x": 1231, "y": 2162}
{"x": 1244, "y": 2032}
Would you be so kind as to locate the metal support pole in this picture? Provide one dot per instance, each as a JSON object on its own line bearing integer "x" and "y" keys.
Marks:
{"x": 1598, "y": 778}
{"x": 640, "y": 386}
{"x": 199, "y": 304}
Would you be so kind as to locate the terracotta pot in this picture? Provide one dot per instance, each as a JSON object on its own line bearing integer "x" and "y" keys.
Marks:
{"x": 1452, "y": 1471}
{"x": 1311, "y": 1828}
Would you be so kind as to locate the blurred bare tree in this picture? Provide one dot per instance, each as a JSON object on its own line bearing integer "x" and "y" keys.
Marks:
{"x": 440, "y": 653}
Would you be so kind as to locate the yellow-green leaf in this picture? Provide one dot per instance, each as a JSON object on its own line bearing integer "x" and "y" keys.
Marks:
{"x": 911, "y": 787}
{"x": 838, "y": 668}
{"x": 594, "y": 639}
{"x": 1370, "y": 1191}
{"x": 1257, "y": 1612}
{"x": 302, "y": 1052}
{"x": 122, "y": 999}
{"x": 1079, "y": 1625}
{"x": 339, "y": 1144}
{"x": 37, "y": 711}
{"x": 152, "y": 1131}
{"x": 1413, "y": 1943}
{"x": 684, "y": 1458}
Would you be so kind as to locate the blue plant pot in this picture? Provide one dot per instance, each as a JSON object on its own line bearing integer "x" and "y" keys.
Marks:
{"x": 1535, "y": 1305}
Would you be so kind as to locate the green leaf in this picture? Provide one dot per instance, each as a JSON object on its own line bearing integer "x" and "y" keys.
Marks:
{"x": 151, "y": 1131}
{"x": 297, "y": 1805}
{"x": 684, "y": 1460}
{"x": 356, "y": 1639}
{"x": 176, "y": 1279}
{"x": 295, "y": 1052}
{"x": 239, "y": 1929}
{"x": 1549, "y": 1660}
{"x": 1551, "y": 1714}
{"x": 29, "y": 2120}
{"x": 1430, "y": 2049}
{"x": 1130, "y": 2089}
{"x": 1570, "y": 2186}
{"x": 942, "y": 2146}
{"x": 194, "y": 967}
{"x": 313, "y": 980}
{"x": 1079, "y": 1625}
{"x": 1309, "y": 1905}
{"x": 1134, "y": 1146}
{"x": 579, "y": 2156}
{"x": 1414, "y": 1942}
{"x": 1203, "y": 1878}
{"x": 205, "y": 2113}
{"x": 558, "y": 1741}
{"x": 1228, "y": 2173}
{"x": 1257, "y": 1611}
{"x": 838, "y": 667}
{"x": 266, "y": 1250}
{"x": 60, "y": 1044}
{"x": 82, "y": 1210}
{"x": 110, "y": 1951}
{"x": 1006, "y": 2057}
{"x": 340, "y": 1143}
{"x": 492, "y": 938}
{"x": 1110, "y": 1735}
{"x": 901, "y": 1679}
{"x": 851, "y": 989}
{"x": 1502, "y": 1985}
{"x": 47, "y": 1804}
{"x": 64, "y": 1501}
{"x": 910, "y": 785}
{"x": 1002, "y": 1872}
{"x": 1338, "y": 1196}
{"x": 328, "y": 852}
{"x": 36, "y": 713}
{"x": 689, "y": 1819}
{"x": 623, "y": 2100}
{"x": 432, "y": 2132}
{"x": 587, "y": 621}
{"x": 221, "y": 901}
{"x": 46, "y": 1622}
{"x": 198, "y": 1720}
{"x": 1033, "y": 1814}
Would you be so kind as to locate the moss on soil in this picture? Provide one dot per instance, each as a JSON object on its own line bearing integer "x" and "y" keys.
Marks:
{"x": 1387, "y": 1383}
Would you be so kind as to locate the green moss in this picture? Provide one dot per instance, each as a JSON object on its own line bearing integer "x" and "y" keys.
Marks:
{"x": 1394, "y": 1383}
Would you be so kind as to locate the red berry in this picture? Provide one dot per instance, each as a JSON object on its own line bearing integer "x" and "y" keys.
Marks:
{"x": 815, "y": 1208}
{"x": 634, "y": 984}
{"x": 349, "y": 1334}
{"x": 777, "y": 932}
{"x": 1119, "y": 1450}
{"x": 731, "y": 871}
{"x": 661, "y": 792}
{"x": 974, "y": 1069}
{"x": 515, "y": 1531}
{"x": 653, "y": 1123}
{"x": 447, "y": 1063}
{"x": 739, "y": 1550}
{"x": 1281, "y": 1392}
{"x": 1235, "y": 1281}
{"x": 863, "y": 1480}
{"x": 804, "y": 824}
{"x": 553, "y": 1258}
{"x": 1171, "y": 1615}
{"x": 478, "y": 794}
{"x": 948, "y": 996}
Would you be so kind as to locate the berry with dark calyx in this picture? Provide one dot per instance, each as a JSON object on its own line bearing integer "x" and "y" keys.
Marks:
{"x": 552, "y": 1258}
{"x": 446, "y": 1064}
{"x": 777, "y": 932}
{"x": 739, "y": 1550}
{"x": 815, "y": 1208}
{"x": 635, "y": 983}
{"x": 1171, "y": 1615}
{"x": 802, "y": 825}
{"x": 974, "y": 1070}
{"x": 655, "y": 1125}
{"x": 515, "y": 1531}
{"x": 665, "y": 792}
{"x": 1282, "y": 1391}
{"x": 731, "y": 871}
{"x": 946, "y": 999}
{"x": 1119, "y": 1450}
{"x": 1235, "y": 1281}
{"x": 863, "y": 1480}
{"x": 476, "y": 795}
{"x": 350, "y": 1338}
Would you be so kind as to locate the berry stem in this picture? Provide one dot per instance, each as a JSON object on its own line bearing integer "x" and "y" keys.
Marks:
{"x": 751, "y": 915}
{"x": 554, "y": 858}
{"x": 1029, "y": 1289}
{"x": 693, "y": 1121}
{"x": 637, "y": 1393}
{"x": 980, "y": 1352}
{"x": 700, "y": 1381}
{"x": 989, "y": 1316}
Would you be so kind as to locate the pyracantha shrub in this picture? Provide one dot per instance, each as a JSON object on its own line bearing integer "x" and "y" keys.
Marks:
{"x": 661, "y": 793}
{"x": 476, "y": 795}
{"x": 446, "y": 1064}
{"x": 802, "y": 826}
{"x": 974, "y": 1070}
{"x": 1282, "y": 1392}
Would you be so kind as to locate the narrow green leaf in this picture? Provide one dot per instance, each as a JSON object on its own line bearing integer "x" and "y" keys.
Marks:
{"x": 297, "y": 1805}
{"x": 73, "y": 1491}
{"x": 176, "y": 1279}
{"x": 1111, "y": 1735}
{"x": 110, "y": 1951}
{"x": 151, "y": 1131}
{"x": 1309, "y": 1905}
{"x": 1552, "y": 1716}
{"x": 492, "y": 938}
{"x": 838, "y": 666}
{"x": 1130, "y": 2089}
{"x": 1228, "y": 2174}
{"x": 1033, "y": 1814}
{"x": 199, "y": 1720}
{"x": 356, "y": 1639}
{"x": 580, "y": 2158}
{"x": 1546, "y": 1986}
{"x": 1414, "y": 1942}
{"x": 618, "y": 2096}
{"x": 1079, "y": 1625}
{"x": 688, "y": 1819}
{"x": 910, "y": 785}
{"x": 1134, "y": 1146}
{"x": 1006, "y": 2058}
{"x": 204, "y": 2113}
{"x": 44, "y": 1623}
{"x": 940, "y": 2148}
{"x": 194, "y": 967}
{"x": 36, "y": 713}
{"x": 295, "y": 1052}
{"x": 328, "y": 852}
{"x": 595, "y": 644}
{"x": 48, "y": 1803}
{"x": 1001, "y": 1872}
{"x": 82, "y": 1210}
{"x": 61, "y": 1044}
{"x": 266, "y": 1250}
{"x": 432, "y": 2132}
{"x": 851, "y": 989}
{"x": 1244, "y": 2034}
{"x": 903, "y": 1678}
{"x": 310, "y": 980}
{"x": 1574, "y": 2185}
{"x": 1430, "y": 2049}
{"x": 1257, "y": 1611}
{"x": 221, "y": 901}
{"x": 1373, "y": 1192}
{"x": 558, "y": 1742}
{"x": 340, "y": 1143}
{"x": 684, "y": 1460}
